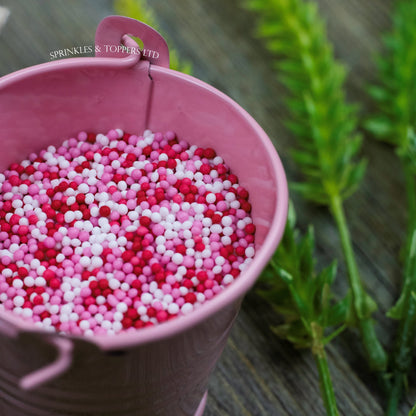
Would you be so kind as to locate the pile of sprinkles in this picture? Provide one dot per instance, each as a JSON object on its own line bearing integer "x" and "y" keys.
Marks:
{"x": 115, "y": 232}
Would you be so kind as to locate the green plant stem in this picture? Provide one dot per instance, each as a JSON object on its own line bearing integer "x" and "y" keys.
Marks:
{"x": 318, "y": 350}
{"x": 396, "y": 392}
{"x": 376, "y": 355}
{"x": 403, "y": 352}
{"x": 411, "y": 203}
{"x": 402, "y": 357}
{"x": 325, "y": 383}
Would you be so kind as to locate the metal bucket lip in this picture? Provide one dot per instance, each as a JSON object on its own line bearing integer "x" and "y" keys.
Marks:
{"x": 245, "y": 280}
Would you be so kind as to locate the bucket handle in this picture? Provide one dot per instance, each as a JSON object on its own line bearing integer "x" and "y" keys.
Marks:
{"x": 110, "y": 40}
{"x": 53, "y": 370}
{"x": 62, "y": 362}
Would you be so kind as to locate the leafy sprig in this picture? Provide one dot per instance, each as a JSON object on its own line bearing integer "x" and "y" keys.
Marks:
{"x": 325, "y": 128}
{"x": 304, "y": 299}
{"x": 395, "y": 123}
{"x": 396, "y": 92}
{"x": 323, "y": 123}
{"x": 139, "y": 9}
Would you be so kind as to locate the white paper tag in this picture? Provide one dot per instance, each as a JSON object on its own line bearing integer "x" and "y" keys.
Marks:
{"x": 4, "y": 15}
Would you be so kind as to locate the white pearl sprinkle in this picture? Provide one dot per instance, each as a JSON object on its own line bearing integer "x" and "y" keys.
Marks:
{"x": 177, "y": 258}
{"x": 187, "y": 308}
{"x": 19, "y": 301}
{"x": 146, "y": 298}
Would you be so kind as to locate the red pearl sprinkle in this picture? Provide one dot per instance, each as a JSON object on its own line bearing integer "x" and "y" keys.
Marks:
{"x": 105, "y": 211}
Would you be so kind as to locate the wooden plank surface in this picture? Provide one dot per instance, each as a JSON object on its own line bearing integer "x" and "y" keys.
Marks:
{"x": 259, "y": 374}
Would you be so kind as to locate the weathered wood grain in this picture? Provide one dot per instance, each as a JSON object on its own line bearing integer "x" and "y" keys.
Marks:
{"x": 259, "y": 374}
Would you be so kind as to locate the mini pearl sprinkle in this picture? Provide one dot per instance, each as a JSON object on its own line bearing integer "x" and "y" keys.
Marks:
{"x": 114, "y": 232}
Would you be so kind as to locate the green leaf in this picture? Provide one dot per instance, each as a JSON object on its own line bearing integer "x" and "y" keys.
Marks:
{"x": 328, "y": 274}
{"x": 339, "y": 313}
{"x": 378, "y": 93}
{"x": 284, "y": 275}
{"x": 293, "y": 333}
{"x": 368, "y": 306}
{"x": 397, "y": 311}
{"x": 291, "y": 219}
{"x": 379, "y": 126}
{"x": 310, "y": 191}
{"x": 354, "y": 178}
{"x": 306, "y": 258}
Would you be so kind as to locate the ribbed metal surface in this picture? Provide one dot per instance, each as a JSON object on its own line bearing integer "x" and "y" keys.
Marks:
{"x": 161, "y": 379}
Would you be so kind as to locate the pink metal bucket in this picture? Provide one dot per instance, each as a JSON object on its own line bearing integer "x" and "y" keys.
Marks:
{"x": 161, "y": 370}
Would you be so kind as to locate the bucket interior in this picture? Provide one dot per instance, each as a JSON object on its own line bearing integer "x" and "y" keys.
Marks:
{"x": 44, "y": 105}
